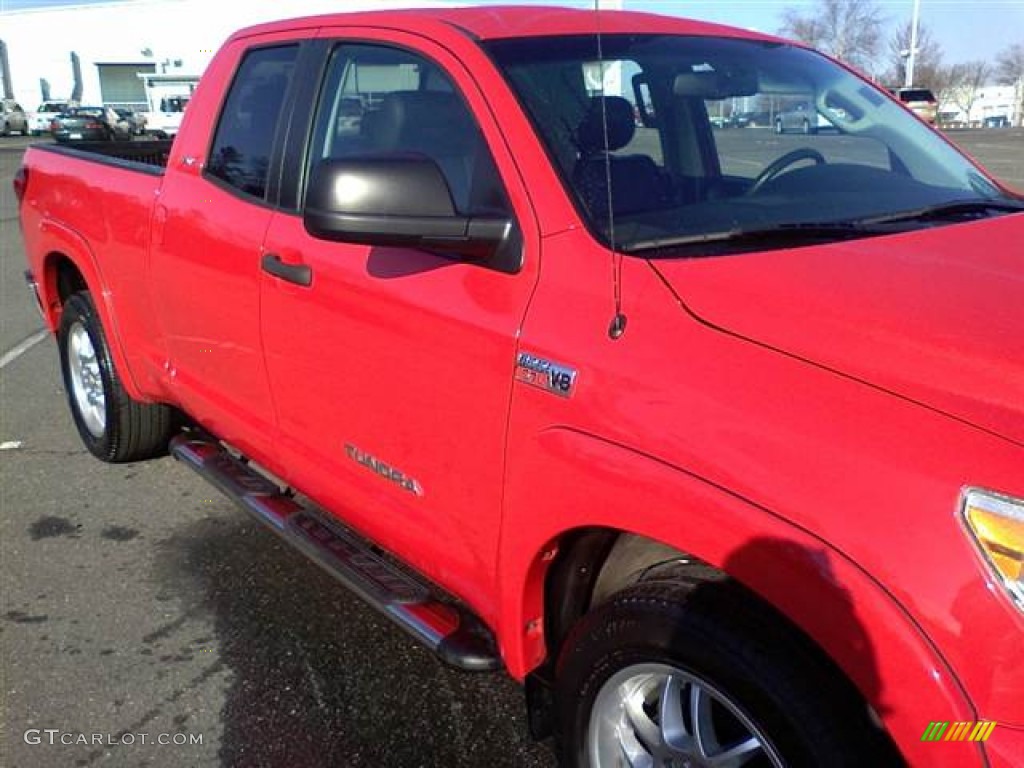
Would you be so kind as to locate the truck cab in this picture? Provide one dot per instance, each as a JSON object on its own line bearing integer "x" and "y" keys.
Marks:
{"x": 167, "y": 96}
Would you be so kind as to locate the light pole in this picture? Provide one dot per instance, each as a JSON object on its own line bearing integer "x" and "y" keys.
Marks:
{"x": 915, "y": 22}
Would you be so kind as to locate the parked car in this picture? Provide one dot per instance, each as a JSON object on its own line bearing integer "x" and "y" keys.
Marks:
{"x": 12, "y": 118}
{"x": 760, "y": 119}
{"x": 996, "y": 121}
{"x": 801, "y": 118}
{"x": 40, "y": 120}
{"x": 920, "y": 101}
{"x": 89, "y": 124}
{"x": 765, "y": 508}
{"x": 131, "y": 121}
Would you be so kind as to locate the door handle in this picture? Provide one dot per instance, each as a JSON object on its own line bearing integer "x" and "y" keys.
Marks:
{"x": 300, "y": 274}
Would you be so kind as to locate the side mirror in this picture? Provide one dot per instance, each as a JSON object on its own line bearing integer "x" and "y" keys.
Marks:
{"x": 397, "y": 200}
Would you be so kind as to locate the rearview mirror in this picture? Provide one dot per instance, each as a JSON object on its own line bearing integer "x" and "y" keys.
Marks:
{"x": 713, "y": 85}
{"x": 397, "y": 200}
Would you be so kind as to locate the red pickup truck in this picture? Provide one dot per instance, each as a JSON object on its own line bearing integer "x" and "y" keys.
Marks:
{"x": 714, "y": 437}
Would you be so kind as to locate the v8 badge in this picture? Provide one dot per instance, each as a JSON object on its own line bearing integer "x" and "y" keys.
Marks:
{"x": 545, "y": 374}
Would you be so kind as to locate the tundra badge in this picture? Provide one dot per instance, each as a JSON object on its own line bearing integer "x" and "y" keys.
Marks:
{"x": 386, "y": 471}
{"x": 554, "y": 377}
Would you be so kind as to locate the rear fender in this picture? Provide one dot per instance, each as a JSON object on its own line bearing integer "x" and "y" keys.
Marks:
{"x": 57, "y": 241}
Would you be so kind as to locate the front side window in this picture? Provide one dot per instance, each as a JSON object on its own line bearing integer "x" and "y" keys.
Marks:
{"x": 240, "y": 155}
{"x": 684, "y": 141}
{"x": 379, "y": 100}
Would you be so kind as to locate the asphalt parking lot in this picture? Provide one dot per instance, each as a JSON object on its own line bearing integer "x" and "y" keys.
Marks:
{"x": 136, "y": 600}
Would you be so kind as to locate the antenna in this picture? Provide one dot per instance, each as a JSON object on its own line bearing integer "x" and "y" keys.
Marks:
{"x": 618, "y": 324}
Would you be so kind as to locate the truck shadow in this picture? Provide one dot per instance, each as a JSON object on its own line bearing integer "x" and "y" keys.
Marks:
{"x": 318, "y": 678}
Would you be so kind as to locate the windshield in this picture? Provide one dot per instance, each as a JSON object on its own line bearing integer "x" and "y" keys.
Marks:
{"x": 174, "y": 104}
{"x": 685, "y": 138}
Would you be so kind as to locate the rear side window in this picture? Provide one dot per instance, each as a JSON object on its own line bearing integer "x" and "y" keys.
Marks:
{"x": 245, "y": 135}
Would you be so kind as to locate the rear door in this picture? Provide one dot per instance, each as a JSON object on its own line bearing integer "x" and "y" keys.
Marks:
{"x": 392, "y": 369}
{"x": 209, "y": 224}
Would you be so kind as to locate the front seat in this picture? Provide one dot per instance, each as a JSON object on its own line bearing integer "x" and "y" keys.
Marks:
{"x": 637, "y": 185}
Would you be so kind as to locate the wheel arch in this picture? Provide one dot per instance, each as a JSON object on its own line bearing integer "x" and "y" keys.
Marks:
{"x": 69, "y": 266}
{"x": 571, "y": 535}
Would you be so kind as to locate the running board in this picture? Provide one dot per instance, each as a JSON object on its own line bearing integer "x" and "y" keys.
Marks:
{"x": 447, "y": 628}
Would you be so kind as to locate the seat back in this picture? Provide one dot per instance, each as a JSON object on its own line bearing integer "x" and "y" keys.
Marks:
{"x": 432, "y": 123}
{"x": 637, "y": 185}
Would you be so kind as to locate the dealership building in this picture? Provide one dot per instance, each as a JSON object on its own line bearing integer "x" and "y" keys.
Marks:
{"x": 104, "y": 47}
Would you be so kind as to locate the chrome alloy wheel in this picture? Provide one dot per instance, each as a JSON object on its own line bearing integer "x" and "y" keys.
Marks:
{"x": 657, "y": 716}
{"x": 86, "y": 380}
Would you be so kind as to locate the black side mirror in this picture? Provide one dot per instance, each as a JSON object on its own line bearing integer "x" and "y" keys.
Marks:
{"x": 398, "y": 200}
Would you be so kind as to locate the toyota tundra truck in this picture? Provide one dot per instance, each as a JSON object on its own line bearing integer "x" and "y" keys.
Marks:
{"x": 713, "y": 439}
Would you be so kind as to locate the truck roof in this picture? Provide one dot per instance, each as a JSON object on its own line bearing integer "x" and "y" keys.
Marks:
{"x": 509, "y": 21}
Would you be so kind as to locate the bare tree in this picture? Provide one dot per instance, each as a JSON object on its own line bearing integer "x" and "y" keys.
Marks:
{"x": 1010, "y": 71}
{"x": 965, "y": 80}
{"x": 1010, "y": 64}
{"x": 850, "y": 30}
{"x": 927, "y": 63}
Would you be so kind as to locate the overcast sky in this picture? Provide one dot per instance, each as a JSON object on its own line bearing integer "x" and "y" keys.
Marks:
{"x": 966, "y": 29}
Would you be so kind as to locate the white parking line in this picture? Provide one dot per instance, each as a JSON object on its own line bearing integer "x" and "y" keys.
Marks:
{"x": 20, "y": 349}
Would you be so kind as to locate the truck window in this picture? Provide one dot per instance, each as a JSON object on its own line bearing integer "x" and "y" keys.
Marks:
{"x": 240, "y": 155}
{"x": 381, "y": 100}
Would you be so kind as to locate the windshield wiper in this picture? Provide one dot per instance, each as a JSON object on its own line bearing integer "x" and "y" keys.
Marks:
{"x": 943, "y": 210}
{"x": 799, "y": 232}
{"x": 828, "y": 230}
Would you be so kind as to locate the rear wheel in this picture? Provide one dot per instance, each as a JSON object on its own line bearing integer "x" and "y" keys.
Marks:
{"x": 113, "y": 427}
{"x": 676, "y": 675}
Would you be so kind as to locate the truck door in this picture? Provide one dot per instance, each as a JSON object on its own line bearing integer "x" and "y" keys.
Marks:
{"x": 209, "y": 224}
{"x": 392, "y": 368}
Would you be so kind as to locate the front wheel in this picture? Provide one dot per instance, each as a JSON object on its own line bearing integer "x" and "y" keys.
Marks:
{"x": 113, "y": 427}
{"x": 667, "y": 676}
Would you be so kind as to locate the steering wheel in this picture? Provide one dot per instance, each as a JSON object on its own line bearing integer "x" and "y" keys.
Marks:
{"x": 778, "y": 166}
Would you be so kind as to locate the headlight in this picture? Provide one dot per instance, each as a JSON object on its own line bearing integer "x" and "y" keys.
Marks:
{"x": 997, "y": 524}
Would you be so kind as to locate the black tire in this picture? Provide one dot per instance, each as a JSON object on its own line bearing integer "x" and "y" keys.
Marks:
{"x": 716, "y": 633}
{"x": 120, "y": 429}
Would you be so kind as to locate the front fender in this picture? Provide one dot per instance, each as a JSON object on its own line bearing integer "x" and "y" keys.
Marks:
{"x": 568, "y": 480}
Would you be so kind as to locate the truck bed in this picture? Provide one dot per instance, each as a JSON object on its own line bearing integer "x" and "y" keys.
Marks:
{"x": 148, "y": 156}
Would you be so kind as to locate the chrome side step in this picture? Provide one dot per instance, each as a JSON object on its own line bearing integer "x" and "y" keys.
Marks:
{"x": 439, "y": 622}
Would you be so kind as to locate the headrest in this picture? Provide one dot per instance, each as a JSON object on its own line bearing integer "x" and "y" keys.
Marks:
{"x": 423, "y": 120}
{"x": 621, "y": 125}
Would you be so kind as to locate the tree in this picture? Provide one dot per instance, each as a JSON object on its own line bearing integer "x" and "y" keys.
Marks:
{"x": 1010, "y": 71}
{"x": 927, "y": 63}
{"x": 850, "y": 30}
{"x": 965, "y": 80}
{"x": 1010, "y": 64}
